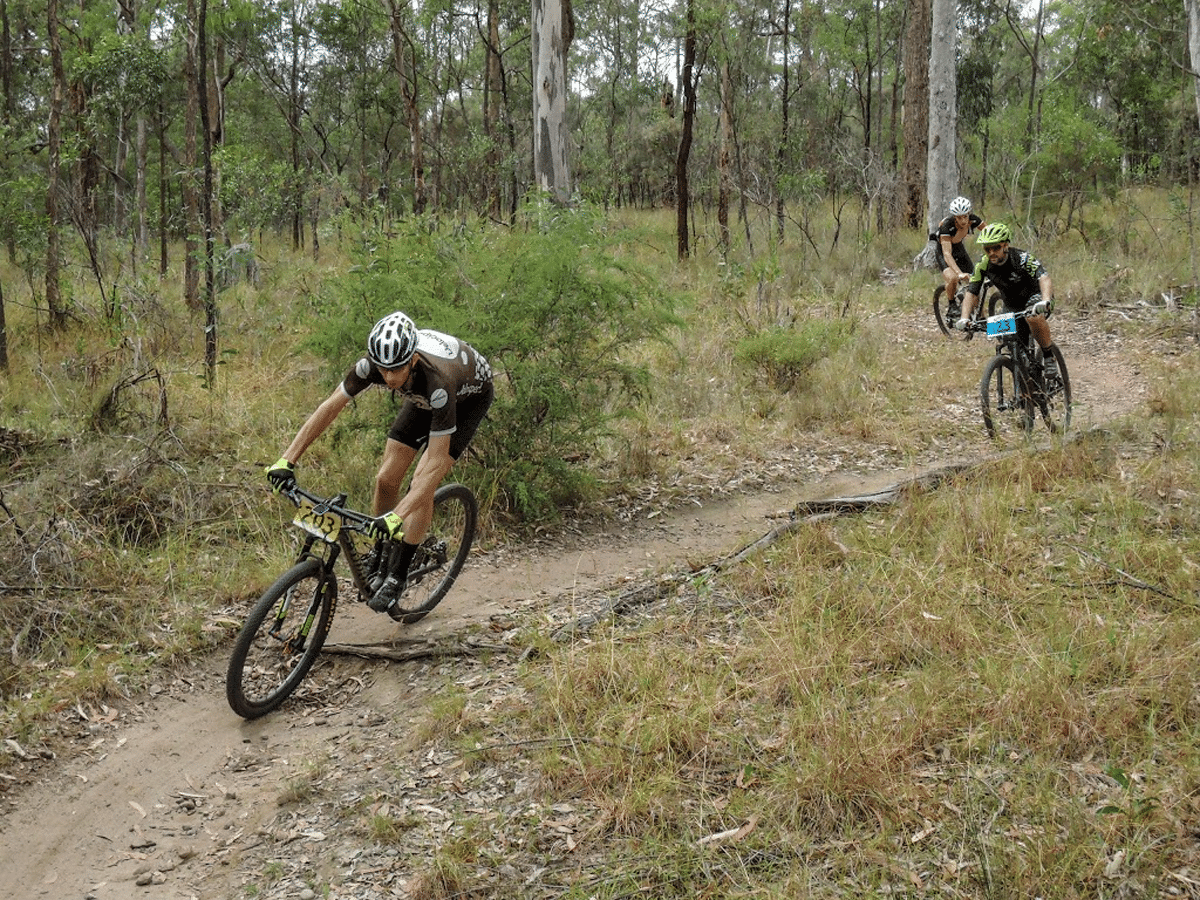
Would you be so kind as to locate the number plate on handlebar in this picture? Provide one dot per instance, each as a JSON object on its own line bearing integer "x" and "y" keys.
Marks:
{"x": 1002, "y": 324}
{"x": 322, "y": 525}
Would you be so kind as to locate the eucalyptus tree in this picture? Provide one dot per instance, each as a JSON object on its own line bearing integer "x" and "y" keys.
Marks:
{"x": 552, "y": 29}
{"x": 1192, "y": 7}
{"x": 58, "y": 88}
{"x": 918, "y": 33}
{"x": 942, "y": 171}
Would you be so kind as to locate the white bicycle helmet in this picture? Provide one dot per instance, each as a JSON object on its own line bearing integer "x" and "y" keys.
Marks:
{"x": 392, "y": 341}
{"x": 960, "y": 206}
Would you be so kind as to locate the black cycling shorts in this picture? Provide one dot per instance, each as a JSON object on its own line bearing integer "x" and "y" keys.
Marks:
{"x": 411, "y": 426}
{"x": 959, "y": 252}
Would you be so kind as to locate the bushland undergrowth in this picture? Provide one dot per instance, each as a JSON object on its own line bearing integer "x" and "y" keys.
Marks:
{"x": 989, "y": 685}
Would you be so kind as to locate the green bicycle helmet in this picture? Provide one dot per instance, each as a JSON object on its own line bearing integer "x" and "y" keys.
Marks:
{"x": 995, "y": 233}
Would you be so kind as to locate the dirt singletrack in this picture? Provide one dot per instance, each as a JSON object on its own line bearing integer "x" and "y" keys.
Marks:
{"x": 171, "y": 796}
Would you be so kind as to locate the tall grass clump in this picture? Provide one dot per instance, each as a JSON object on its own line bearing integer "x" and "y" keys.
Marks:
{"x": 985, "y": 690}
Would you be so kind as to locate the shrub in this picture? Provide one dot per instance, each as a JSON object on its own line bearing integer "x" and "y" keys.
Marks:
{"x": 784, "y": 354}
{"x": 554, "y": 309}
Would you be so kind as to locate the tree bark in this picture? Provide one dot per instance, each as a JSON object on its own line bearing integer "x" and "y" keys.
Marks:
{"x": 404, "y": 60}
{"x": 493, "y": 90}
{"x": 725, "y": 156}
{"x": 191, "y": 155}
{"x": 782, "y": 156}
{"x": 687, "y": 121}
{"x": 1193, "y": 17}
{"x": 206, "y": 204}
{"x": 54, "y": 305}
{"x": 553, "y": 27}
{"x": 917, "y": 36}
{"x": 942, "y": 176}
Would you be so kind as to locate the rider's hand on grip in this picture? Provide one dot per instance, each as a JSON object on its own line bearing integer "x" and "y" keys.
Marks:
{"x": 961, "y": 324}
{"x": 281, "y": 475}
{"x": 386, "y": 527}
{"x": 1040, "y": 306}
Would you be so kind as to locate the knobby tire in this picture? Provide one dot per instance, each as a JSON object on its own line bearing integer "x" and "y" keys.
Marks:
{"x": 267, "y": 667}
{"x": 990, "y": 298}
{"x": 1056, "y": 407}
{"x": 1007, "y": 410}
{"x": 441, "y": 555}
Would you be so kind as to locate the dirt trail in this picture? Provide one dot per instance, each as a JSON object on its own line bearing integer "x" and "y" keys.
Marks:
{"x": 166, "y": 797}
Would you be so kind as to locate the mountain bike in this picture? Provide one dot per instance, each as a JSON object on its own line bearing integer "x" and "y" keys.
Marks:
{"x": 1014, "y": 388}
{"x": 947, "y": 312}
{"x": 286, "y": 628}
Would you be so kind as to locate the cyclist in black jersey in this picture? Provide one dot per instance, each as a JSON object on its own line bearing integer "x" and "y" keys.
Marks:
{"x": 952, "y": 257}
{"x": 447, "y": 389}
{"x": 1023, "y": 283}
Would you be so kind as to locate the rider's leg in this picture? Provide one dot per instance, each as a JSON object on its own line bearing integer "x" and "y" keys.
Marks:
{"x": 1040, "y": 329}
{"x": 950, "y": 278}
{"x": 969, "y": 302}
{"x": 397, "y": 458}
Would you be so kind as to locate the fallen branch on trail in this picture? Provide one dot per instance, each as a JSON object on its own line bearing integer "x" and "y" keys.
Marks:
{"x": 804, "y": 513}
{"x": 440, "y": 650}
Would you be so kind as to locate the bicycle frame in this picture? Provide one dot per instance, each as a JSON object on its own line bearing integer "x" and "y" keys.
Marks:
{"x": 317, "y": 528}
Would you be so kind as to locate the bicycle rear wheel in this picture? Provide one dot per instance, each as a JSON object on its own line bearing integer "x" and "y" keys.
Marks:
{"x": 1007, "y": 410}
{"x": 281, "y": 639}
{"x": 1054, "y": 401}
{"x": 442, "y": 553}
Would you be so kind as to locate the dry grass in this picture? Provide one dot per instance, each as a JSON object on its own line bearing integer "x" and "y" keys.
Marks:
{"x": 987, "y": 690}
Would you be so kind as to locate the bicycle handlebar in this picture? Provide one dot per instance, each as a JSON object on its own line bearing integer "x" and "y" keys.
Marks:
{"x": 329, "y": 504}
{"x": 981, "y": 324}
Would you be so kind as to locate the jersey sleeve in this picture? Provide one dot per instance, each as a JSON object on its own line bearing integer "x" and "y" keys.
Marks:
{"x": 976, "y": 283}
{"x": 361, "y": 376}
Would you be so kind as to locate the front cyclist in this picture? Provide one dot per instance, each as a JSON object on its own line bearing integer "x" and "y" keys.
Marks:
{"x": 447, "y": 388}
{"x": 952, "y": 256}
{"x": 1022, "y": 282}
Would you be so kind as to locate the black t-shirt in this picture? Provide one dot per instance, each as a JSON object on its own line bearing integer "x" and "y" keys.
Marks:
{"x": 949, "y": 229}
{"x": 1017, "y": 278}
{"x": 447, "y": 371}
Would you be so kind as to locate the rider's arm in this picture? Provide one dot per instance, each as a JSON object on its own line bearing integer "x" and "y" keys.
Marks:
{"x": 322, "y": 417}
{"x": 948, "y": 253}
{"x": 1045, "y": 286}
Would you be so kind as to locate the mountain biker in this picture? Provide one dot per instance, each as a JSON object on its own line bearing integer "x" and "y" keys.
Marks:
{"x": 447, "y": 389}
{"x": 952, "y": 257}
{"x": 1022, "y": 282}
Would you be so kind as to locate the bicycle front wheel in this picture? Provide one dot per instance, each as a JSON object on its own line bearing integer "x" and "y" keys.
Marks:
{"x": 1007, "y": 410}
{"x": 947, "y": 316}
{"x": 1054, "y": 399}
{"x": 441, "y": 555}
{"x": 281, "y": 639}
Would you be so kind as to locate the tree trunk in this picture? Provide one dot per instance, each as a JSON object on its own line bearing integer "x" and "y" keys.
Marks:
{"x": 687, "y": 121}
{"x": 942, "y": 176}
{"x": 1193, "y": 17}
{"x": 3, "y": 336}
{"x": 553, "y": 27}
{"x": 293, "y": 116}
{"x": 206, "y": 206}
{"x": 493, "y": 90}
{"x": 917, "y": 36}
{"x": 191, "y": 157}
{"x": 404, "y": 59}
{"x": 163, "y": 189}
{"x": 724, "y": 157}
{"x": 54, "y": 305}
{"x": 782, "y": 156}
